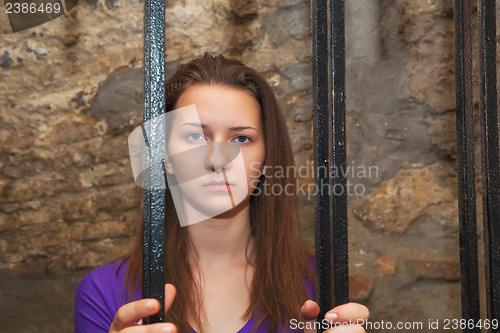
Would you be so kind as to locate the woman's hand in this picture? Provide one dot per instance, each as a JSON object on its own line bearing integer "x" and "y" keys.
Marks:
{"x": 346, "y": 316}
{"x": 127, "y": 318}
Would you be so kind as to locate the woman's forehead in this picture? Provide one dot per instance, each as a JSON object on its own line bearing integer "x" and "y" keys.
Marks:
{"x": 219, "y": 105}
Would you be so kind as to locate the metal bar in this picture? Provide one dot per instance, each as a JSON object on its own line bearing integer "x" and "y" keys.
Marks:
{"x": 465, "y": 161}
{"x": 154, "y": 196}
{"x": 146, "y": 197}
{"x": 321, "y": 97}
{"x": 490, "y": 171}
{"x": 332, "y": 286}
{"x": 339, "y": 199}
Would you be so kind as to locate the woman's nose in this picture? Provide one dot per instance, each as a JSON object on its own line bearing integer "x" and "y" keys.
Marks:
{"x": 220, "y": 156}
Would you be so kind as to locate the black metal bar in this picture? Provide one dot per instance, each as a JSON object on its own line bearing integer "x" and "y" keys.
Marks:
{"x": 321, "y": 97}
{"x": 490, "y": 171}
{"x": 154, "y": 195}
{"x": 339, "y": 199}
{"x": 146, "y": 193}
{"x": 465, "y": 162}
{"x": 332, "y": 276}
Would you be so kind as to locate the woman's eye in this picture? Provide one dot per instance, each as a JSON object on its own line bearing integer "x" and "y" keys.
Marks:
{"x": 195, "y": 137}
{"x": 242, "y": 139}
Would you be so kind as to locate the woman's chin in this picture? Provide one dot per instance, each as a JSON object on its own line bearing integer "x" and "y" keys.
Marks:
{"x": 218, "y": 206}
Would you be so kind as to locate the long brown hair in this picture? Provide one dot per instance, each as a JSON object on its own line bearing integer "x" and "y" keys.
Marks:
{"x": 277, "y": 289}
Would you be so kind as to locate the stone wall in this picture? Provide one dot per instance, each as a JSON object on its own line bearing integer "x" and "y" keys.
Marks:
{"x": 71, "y": 92}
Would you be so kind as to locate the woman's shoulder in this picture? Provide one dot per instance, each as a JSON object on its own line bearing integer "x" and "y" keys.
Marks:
{"x": 107, "y": 274}
{"x": 98, "y": 296}
{"x": 104, "y": 283}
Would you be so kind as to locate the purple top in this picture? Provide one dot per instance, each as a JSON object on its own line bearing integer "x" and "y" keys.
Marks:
{"x": 100, "y": 294}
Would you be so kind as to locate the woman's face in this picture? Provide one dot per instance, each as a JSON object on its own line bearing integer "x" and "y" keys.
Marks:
{"x": 215, "y": 149}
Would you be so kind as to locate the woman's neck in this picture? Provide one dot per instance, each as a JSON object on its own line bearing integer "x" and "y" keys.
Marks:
{"x": 223, "y": 240}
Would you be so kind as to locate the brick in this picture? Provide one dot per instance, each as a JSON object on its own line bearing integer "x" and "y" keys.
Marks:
{"x": 360, "y": 287}
{"x": 387, "y": 265}
{"x": 432, "y": 269}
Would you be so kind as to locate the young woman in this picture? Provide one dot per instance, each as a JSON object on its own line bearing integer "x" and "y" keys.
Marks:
{"x": 240, "y": 268}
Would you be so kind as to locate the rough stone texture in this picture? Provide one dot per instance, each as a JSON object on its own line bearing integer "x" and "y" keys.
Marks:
{"x": 439, "y": 270}
{"x": 423, "y": 191}
{"x": 360, "y": 287}
{"x": 387, "y": 265}
{"x": 71, "y": 92}
{"x": 429, "y": 27}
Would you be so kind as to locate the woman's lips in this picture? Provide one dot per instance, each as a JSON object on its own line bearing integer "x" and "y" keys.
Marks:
{"x": 218, "y": 186}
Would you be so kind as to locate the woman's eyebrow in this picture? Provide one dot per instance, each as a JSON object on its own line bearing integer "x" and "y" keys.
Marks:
{"x": 241, "y": 128}
{"x": 232, "y": 129}
{"x": 195, "y": 124}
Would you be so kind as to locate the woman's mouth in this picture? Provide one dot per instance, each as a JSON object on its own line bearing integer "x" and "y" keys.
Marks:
{"x": 218, "y": 186}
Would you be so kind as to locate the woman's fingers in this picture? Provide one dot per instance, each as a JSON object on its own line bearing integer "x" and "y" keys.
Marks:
{"x": 345, "y": 318}
{"x": 153, "y": 328}
{"x": 170, "y": 293}
{"x": 128, "y": 318}
{"x": 348, "y": 313}
{"x": 310, "y": 312}
{"x": 130, "y": 313}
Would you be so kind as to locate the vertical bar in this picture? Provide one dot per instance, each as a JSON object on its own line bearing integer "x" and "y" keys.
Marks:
{"x": 339, "y": 199}
{"x": 321, "y": 98}
{"x": 146, "y": 197}
{"x": 465, "y": 161}
{"x": 490, "y": 170}
{"x": 154, "y": 196}
{"x": 332, "y": 285}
